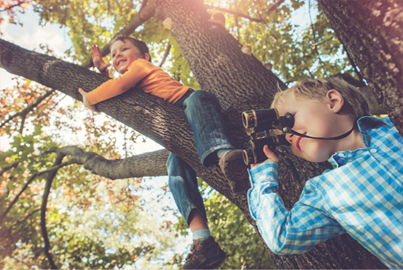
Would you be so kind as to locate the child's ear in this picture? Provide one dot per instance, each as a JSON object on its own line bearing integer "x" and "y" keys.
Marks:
{"x": 146, "y": 56}
{"x": 335, "y": 99}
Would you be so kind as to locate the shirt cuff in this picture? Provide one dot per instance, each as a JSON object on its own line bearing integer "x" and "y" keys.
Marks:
{"x": 260, "y": 172}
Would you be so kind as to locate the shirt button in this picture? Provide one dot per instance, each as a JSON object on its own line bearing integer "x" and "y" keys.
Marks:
{"x": 373, "y": 151}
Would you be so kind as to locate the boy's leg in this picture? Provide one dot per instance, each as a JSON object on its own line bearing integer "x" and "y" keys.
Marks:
{"x": 182, "y": 181}
{"x": 203, "y": 112}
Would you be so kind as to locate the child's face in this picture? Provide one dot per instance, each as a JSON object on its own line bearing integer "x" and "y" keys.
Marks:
{"x": 317, "y": 119}
{"x": 123, "y": 54}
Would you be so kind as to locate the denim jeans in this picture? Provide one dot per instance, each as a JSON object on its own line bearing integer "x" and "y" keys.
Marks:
{"x": 203, "y": 112}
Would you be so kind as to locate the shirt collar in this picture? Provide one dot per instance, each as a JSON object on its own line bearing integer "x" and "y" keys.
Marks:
{"x": 365, "y": 124}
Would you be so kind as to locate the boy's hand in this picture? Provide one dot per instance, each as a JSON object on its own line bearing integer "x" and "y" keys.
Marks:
{"x": 86, "y": 101}
{"x": 271, "y": 156}
{"x": 99, "y": 63}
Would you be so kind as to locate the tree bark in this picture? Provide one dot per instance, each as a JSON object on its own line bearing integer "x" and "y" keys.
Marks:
{"x": 239, "y": 81}
{"x": 372, "y": 31}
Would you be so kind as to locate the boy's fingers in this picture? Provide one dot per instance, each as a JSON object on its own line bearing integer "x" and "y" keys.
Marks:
{"x": 270, "y": 154}
{"x": 82, "y": 92}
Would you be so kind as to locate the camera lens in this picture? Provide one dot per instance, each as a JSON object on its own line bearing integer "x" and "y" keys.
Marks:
{"x": 247, "y": 156}
{"x": 249, "y": 119}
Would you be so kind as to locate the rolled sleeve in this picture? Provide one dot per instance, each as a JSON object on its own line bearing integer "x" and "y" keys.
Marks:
{"x": 263, "y": 179}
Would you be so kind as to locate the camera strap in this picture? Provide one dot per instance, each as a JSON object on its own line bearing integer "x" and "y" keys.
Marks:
{"x": 289, "y": 130}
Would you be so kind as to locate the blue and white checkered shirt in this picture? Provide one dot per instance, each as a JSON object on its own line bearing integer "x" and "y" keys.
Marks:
{"x": 362, "y": 195}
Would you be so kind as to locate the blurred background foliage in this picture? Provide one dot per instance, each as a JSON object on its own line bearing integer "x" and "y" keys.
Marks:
{"x": 94, "y": 222}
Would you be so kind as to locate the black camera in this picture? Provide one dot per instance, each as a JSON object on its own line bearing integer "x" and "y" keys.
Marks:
{"x": 258, "y": 121}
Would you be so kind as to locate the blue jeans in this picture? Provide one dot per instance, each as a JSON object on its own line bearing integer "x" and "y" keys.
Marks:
{"x": 210, "y": 134}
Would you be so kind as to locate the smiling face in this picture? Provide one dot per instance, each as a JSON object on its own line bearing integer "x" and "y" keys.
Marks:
{"x": 123, "y": 54}
{"x": 318, "y": 119}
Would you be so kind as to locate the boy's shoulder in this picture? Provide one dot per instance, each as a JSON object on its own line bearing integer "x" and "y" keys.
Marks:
{"x": 371, "y": 122}
{"x": 143, "y": 63}
{"x": 143, "y": 66}
{"x": 379, "y": 129}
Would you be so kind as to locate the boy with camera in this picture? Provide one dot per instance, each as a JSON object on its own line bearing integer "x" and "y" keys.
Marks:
{"x": 131, "y": 58}
{"x": 362, "y": 195}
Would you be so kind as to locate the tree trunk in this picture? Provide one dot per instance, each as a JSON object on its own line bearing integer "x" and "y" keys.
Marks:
{"x": 240, "y": 82}
{"x": 372, "y": 31}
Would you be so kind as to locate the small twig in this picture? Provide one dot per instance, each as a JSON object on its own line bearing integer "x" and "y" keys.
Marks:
{"x": 234, "y": 13}
{"x": 166, "y": 53}
{"x": 25, "y": 218}
{"x": 237, "y": 27}
{"x": 23, "y": 117}
{"x": 315, "y": 44}
{"x": 268, "y": 28}
{"x": 32, "y": 178}
{"x": 15, "y": 5}
{"x": 274, "y": 7}
{"x": 49, "y": 180}
{"x": 261, "y": 258}
{"x": 144, "y": 4}
{"x": 29, "y": 108}
{"x": 353, "y": 64}
{"x": 3, "y": 170}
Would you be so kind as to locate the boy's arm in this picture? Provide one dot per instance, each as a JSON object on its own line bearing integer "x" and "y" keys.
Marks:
{"x": 287, "y": 231}
{"x": 109, "y": 89}
{"x": 86, "y": 102}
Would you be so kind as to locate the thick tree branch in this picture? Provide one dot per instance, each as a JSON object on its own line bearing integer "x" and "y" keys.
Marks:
{"x": 145, "y": 13}
{"x": 148, "y": 164}
{"x": 49, "y": 180}
{"x": 149, "y": 115}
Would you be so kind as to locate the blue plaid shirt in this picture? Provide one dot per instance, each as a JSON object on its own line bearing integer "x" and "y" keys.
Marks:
{"x": 362, "y": 195}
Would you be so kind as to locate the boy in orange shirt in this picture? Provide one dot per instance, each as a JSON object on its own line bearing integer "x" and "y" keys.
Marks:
{"x": 131, "y": 58}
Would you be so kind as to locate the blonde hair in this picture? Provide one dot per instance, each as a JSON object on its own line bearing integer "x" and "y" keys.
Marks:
{"x": 316, "y": 89}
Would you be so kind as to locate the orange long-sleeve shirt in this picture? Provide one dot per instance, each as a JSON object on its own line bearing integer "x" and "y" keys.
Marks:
{"x": 147, "y": 77}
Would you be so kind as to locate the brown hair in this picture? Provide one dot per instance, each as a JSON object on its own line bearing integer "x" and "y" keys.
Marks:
{"x": 316, "y": 89}
{"x": 138, "y": 43}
